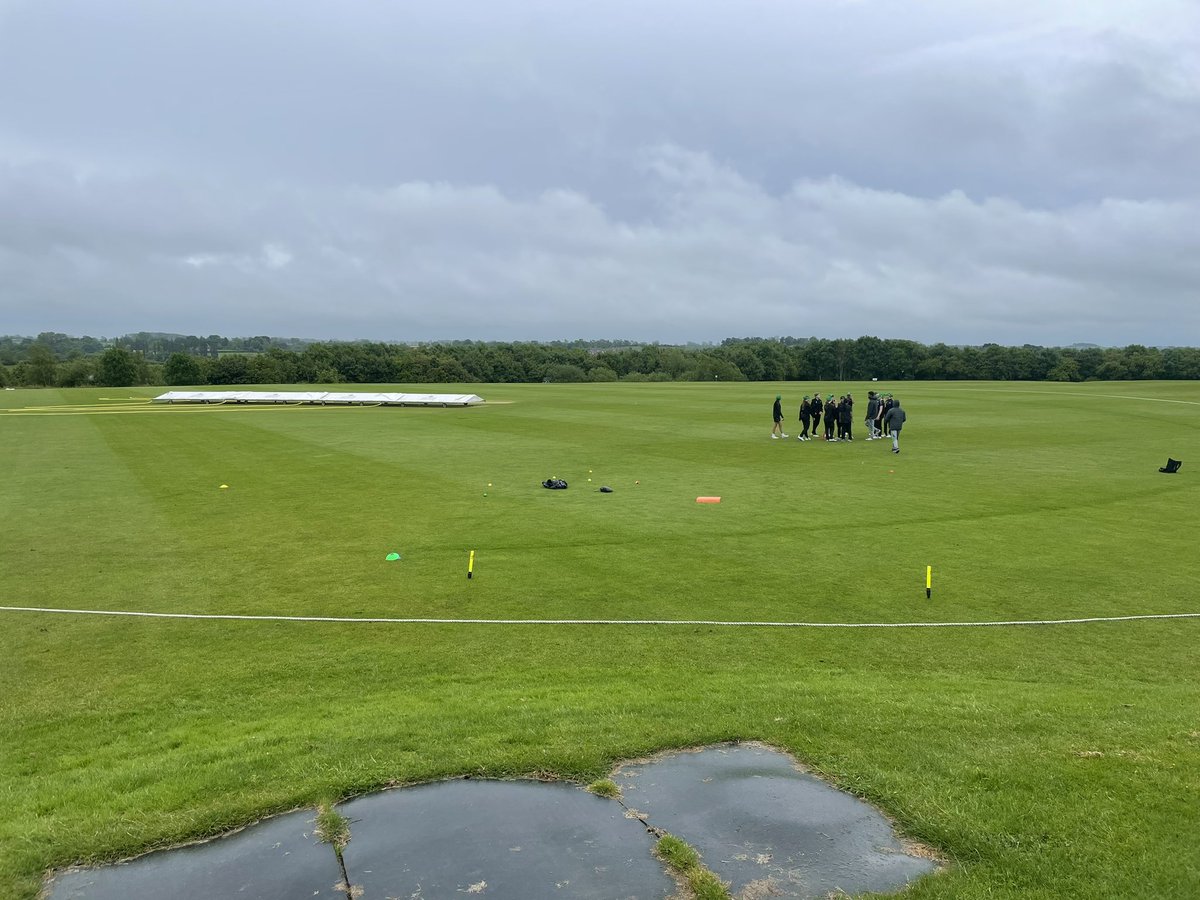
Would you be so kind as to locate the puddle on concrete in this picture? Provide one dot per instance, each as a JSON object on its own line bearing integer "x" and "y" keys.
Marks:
{"x": 500, "y": 839}
{"x": 766, "y": 827}
{"x": 276, "y": 859}
{"x": 757, "y": 821}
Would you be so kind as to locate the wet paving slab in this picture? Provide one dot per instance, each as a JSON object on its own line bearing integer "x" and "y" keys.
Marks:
{"x": 768, "y": 828}
{"x": 514, "y": 840}
{"x": 758, "y": 821}
{"x": 276, "y": 859}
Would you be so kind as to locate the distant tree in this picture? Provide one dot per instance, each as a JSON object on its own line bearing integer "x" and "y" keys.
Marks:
{"x": 230, "y": 370}
{"x": 182, "y": 368}
{"x": 746, "y": 361}
{"x": 1181, "y": 362}
{"x": 822, "y": 363}
{"x": 1143, "y": 362}
{"x": 711, "y": 366}
{"x": 118, "y": 368}
{"x": 43, "y": 370}
{"x": 561, "y": 372}
{"x": 1066, "y": 370}
{"x": 274, "y": 367}
{"x": 1089, "y": 359}
{"x": 1112, "y": 367}
{"x": 870, "y": 358}
{"x": 78, "y": 372}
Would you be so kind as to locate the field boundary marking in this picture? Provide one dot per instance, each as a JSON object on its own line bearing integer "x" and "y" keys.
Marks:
{"x": 715, "y": 623}
{"x": 1053, "y": 393}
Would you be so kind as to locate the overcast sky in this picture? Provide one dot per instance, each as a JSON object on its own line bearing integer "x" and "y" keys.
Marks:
{"x": 1017, "y": 172}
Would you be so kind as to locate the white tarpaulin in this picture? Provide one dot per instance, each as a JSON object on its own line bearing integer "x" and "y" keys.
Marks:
{"x": 319, "y": 398}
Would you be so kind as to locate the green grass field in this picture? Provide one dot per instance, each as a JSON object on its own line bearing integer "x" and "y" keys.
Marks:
{"x": 1043, "y": 761}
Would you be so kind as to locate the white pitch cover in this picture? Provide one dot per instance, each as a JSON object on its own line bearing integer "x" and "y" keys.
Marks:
{"x": 320, "y": 398}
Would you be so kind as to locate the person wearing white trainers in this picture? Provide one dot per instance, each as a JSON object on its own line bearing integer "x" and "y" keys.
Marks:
{"x": 895, "y": 418}
{"x": 872, "y": 411}
{"x": 805, "y": 418}
{"x": 777, "y": 415}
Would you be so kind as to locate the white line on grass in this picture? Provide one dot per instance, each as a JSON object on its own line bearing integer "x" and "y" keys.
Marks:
{"x": 1078, "y": 394}
{"x": 415, "y": 621}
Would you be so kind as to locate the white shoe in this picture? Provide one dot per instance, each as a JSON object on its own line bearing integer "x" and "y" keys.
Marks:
{"x": 774, "y": 436}
{"x": 783, "y": 435}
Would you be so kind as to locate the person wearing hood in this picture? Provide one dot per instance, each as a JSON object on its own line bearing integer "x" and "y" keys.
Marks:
{"x": 894, "y": 419}
{"x": 872, "y": 412}
{"x": 777, "y": 415}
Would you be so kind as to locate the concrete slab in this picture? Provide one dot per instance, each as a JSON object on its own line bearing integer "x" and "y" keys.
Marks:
{"x": 276, "y": 859}
{"x": 504, "y": 840}
{"x": 763, "y": 825}
{"x": 758, "y": 822}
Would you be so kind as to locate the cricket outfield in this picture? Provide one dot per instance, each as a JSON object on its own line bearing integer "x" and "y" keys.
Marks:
{"x": 1041, "y": 760}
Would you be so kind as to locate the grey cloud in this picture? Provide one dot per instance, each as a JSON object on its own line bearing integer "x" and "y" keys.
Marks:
{"x": 724, "y": 257}
{"x": 967, "y": 172}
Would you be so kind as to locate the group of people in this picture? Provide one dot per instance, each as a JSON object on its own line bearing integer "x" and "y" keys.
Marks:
{"x": 885, "y": 418}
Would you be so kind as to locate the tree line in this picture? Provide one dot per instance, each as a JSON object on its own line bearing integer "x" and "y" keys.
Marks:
{"x": 121, "y": 363}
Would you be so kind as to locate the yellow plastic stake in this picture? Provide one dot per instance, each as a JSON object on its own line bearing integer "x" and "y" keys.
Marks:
{"x": 471, "y": 564}
{"x": 928, "y": 582}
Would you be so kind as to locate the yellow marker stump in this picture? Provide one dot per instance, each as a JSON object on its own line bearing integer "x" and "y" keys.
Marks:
{"x": 470, "y": 564}
{"x": 928, "y": 582}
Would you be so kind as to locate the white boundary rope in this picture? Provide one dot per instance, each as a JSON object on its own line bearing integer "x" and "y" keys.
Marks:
{"x": 422, "y": 621}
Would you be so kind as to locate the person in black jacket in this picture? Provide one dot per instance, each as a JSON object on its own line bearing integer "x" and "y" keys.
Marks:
{"x": 830, "y": 418}
{"x": 815, "y": 409}
{"x": 805, "y": 416}
{"x": 846, "y": 418}
{"x": 777, "y": 415}
{"x": 887, "y": 404}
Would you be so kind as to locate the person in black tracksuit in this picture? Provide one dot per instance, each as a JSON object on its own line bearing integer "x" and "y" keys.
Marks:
{"x": 846, "y": 419}
{"x": 815, "y": 409}
{"x": 830, "y": 418}
{"x": 887, "y": 404}
{"x": 805, "y": 416}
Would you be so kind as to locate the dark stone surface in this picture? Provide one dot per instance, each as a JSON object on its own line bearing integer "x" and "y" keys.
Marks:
{"x": 276, "y": 859}
{"x": 756, "y": 820}
{"x": 752, "y": 816}
{"x": 499, "y": 839}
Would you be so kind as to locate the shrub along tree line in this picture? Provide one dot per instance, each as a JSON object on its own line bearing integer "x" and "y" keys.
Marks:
{"x": 735, "y": 359}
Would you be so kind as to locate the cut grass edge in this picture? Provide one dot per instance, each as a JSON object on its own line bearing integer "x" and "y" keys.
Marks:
{"x": 684, "y": 861}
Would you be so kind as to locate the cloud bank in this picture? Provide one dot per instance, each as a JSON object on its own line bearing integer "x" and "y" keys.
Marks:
{"x": 1004, "y": 173}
